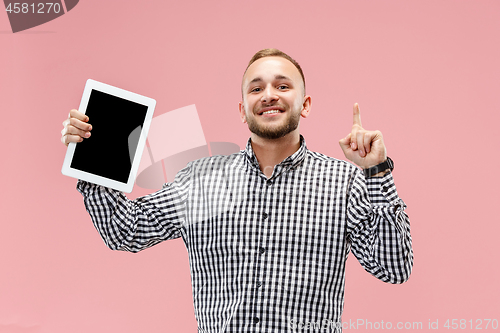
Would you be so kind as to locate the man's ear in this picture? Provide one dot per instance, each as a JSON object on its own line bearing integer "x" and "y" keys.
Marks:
{"x": 243, "y": 116}
{"x": 306, "y": 106}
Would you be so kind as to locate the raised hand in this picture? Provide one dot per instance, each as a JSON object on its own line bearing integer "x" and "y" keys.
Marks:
{"x": 362, "y": 147}
{"x": 76, "y": 127}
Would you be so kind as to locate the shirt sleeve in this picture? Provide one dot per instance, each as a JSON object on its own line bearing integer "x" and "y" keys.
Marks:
{"x": 134, "y": 225}
{"x": 379, "y": 228}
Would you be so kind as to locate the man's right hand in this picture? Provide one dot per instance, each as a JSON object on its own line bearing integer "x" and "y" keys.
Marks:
{"x": 76, "y": 127}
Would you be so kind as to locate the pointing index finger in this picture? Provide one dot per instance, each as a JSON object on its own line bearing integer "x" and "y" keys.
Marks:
{"x": 356, "y": 116}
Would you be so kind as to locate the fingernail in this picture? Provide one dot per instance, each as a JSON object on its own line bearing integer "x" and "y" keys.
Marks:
{"x": 90, "y": 128}
{"x": 353, "y": 145}
{"x": 87, "y": 134}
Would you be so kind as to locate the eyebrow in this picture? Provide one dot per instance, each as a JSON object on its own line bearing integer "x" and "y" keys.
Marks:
{"x": 276, "y": 77}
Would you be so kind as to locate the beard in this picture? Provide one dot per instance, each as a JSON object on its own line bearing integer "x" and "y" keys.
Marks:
{"x": 272, "y": 132}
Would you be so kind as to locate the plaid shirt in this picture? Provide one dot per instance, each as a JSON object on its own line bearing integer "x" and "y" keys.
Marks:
{"x": 266, "y": 255}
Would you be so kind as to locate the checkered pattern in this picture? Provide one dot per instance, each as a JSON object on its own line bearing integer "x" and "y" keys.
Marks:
{"x": 266, "y": 255}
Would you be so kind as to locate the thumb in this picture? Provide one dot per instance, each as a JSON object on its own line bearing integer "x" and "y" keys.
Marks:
{"x": 345, "y": 143}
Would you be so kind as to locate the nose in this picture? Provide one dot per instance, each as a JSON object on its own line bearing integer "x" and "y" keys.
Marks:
{"x": 269, "y": 95}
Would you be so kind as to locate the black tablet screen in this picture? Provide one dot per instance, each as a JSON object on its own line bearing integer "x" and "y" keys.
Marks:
{"x": 116, "y": 128}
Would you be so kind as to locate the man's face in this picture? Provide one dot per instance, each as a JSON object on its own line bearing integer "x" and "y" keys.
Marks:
{"x": 273, "y": 98}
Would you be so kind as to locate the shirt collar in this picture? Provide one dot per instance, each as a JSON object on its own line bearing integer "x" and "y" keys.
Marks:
{"x": 292, "y": 160}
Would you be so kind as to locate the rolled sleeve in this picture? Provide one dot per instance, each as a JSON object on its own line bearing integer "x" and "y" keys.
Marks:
{"x": 379, "y": 228}
{"x": 134, "y": 225}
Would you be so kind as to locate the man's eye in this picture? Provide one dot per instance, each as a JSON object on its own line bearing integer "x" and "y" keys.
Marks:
{"x": 282, "y": 87}
{"x": 255, "y": 90}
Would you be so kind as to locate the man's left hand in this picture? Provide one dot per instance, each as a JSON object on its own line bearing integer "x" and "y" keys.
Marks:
{"x": 362, "y": 147}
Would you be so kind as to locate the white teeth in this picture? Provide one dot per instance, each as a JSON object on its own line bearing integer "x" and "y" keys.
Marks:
{"x": 271, "y": 111}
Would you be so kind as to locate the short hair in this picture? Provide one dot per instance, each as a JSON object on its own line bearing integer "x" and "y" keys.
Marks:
{"x": 276, "y": 53}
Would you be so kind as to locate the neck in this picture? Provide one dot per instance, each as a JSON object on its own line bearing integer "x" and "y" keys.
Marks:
{"x": 270, "y": 152}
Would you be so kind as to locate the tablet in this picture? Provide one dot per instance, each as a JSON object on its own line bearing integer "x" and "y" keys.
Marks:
{"x": 120, "y": 123}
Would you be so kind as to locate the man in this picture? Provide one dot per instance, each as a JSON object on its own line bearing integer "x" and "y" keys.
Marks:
{"x": 268, "y": 230}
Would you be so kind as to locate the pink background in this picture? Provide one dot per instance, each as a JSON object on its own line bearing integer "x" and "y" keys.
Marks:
{"x": 425, "y": 73}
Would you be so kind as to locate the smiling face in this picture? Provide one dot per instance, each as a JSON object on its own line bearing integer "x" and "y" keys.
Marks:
{"x": 273, "y": 98}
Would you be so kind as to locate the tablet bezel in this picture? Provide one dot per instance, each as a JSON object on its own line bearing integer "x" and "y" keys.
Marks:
{"x": 99, "y": 180}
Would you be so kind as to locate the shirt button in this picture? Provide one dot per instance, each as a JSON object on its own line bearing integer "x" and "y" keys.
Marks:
{"x": 259, "y": 284}
{"x": 262, "y": 250}
{"x": 256, "y": 320}
{"x": 264, "y": 216}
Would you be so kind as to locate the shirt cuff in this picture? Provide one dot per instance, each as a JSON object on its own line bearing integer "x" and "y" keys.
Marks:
{"x": 382, "y": 190}
{"x": 87, "y": 188}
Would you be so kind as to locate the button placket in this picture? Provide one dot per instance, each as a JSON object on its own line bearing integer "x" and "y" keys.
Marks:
{"x": 266, "y": 195}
